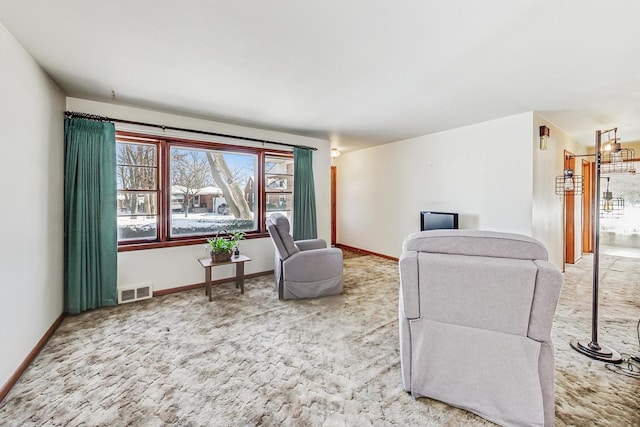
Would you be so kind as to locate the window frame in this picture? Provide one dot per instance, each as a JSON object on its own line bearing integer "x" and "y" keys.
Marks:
{"x": 163, "y": 147}
{"x": 145, "y": 140}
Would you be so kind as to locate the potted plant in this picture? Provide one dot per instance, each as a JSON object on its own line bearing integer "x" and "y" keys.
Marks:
{"x": 220, "y": 247}
{"x": 235, "y": 237}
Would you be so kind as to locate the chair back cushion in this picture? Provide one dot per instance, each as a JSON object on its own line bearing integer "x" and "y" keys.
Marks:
{"x": 278, "y": 228}
{"x": 475, "y": 291}
{"x": 476, "y": 243}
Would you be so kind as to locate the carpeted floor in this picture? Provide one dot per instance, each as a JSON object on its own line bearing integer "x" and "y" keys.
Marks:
{"x": 246, "y": 360}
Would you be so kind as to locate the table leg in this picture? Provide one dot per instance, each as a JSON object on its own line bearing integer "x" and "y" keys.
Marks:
{"x": 240, "y": 276}
{"x": 207, "y": 279}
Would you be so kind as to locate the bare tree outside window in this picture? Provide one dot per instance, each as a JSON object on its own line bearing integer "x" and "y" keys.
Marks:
{"x": 137, "y": 199}
{"x": 220, "y": 180}
{"x": 190, "y": 173}
{"x": 228, "y": 183}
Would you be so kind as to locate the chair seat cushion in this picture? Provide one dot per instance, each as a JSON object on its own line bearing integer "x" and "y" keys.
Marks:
{"x": 299, "y": 290}
{"x": 450, "y": 363}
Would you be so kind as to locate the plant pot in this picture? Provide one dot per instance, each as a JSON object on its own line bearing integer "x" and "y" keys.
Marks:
{"x": 220, "y": 256}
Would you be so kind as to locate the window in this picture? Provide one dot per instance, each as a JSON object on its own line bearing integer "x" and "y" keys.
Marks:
{"x": 211, "y": 190}
{"x": 175, "y": 192}
{"x": 278, "y": 173}
{"x": 137, "y": 197}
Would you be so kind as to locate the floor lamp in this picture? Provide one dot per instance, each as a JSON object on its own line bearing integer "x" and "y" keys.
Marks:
{"x": 591, "y": 347}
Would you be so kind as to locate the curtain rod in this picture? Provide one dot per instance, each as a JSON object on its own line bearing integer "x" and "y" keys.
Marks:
{"x": 74, "y": 114}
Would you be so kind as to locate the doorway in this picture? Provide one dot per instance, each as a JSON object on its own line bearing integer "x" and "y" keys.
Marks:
{"x": 570, "y": 216}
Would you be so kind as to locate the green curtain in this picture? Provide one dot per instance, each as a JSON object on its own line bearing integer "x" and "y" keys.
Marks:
{"x": 90, "y": 234}
{"x": 304, "y": 195}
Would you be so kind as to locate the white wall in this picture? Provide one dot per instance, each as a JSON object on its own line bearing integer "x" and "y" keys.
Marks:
{"x": 493, "y": 174}
{"x": 174, "y": 267}
{"x": 31, "y": 173}
{"x": 484, "y": 172}
{"x": 548, "y": 208}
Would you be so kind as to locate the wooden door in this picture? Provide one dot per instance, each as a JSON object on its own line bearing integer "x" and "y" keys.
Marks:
{"x": 587, "y": 208}
{"x": 569, "y": 215}
{"x": 333, "y": 205}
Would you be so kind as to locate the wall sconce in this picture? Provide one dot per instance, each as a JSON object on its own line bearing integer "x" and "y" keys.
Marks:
{"x": 544, "y": 135}
{"x": 335, "y": 153}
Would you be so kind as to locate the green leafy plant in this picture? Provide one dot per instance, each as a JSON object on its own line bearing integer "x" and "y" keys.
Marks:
{"x": 235, "y": 237}
{"x": 220, "y": 243}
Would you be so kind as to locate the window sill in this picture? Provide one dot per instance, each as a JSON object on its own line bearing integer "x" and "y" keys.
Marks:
{"x": 200, "y": 240}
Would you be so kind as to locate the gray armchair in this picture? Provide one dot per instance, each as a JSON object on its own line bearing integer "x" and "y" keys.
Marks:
{"x": 304, "y": 268}
{"x": 475, "y": 311}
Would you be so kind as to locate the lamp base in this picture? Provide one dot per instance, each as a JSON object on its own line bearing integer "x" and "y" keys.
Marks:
{"x": 596, "y": 351}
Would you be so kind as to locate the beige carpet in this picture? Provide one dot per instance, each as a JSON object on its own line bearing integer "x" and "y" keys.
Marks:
{"x": 246, "y": 360}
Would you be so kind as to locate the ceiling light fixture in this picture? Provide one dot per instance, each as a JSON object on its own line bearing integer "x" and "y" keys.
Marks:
{"x": 335, "y": 153}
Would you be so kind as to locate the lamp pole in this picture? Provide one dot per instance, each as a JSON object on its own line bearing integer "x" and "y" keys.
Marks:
{"x": 591, "y": 347}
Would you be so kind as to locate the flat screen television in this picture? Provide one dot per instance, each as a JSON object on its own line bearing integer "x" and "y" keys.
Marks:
{"x": 438, "y": 220}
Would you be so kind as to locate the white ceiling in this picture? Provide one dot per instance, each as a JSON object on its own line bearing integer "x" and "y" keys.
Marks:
{"x": 357, "y": 72}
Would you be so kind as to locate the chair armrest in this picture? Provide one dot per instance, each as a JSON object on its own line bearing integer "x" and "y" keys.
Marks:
{"x": 305, "y": 245}
{"x": 313, "y": 265}
{"x": 545, "y": 299}
{"x": 409, "y": 286}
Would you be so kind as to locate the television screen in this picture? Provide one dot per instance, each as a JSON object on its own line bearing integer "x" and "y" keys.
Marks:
{"x": 438, "y": 220}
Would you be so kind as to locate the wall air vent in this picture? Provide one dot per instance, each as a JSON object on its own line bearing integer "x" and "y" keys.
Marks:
{"x": 135, "y": 293}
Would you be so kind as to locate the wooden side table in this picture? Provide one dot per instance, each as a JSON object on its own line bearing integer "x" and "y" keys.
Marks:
{"x": 208, "y": 265}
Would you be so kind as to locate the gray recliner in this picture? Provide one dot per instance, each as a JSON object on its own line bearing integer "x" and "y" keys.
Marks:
{"x": 304, "y": 268}
{"x": 475, "y": 311}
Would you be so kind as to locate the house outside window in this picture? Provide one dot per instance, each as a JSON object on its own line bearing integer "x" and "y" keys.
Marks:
{"x": 279, "y": 186}
{"x": 176, "y": 192}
